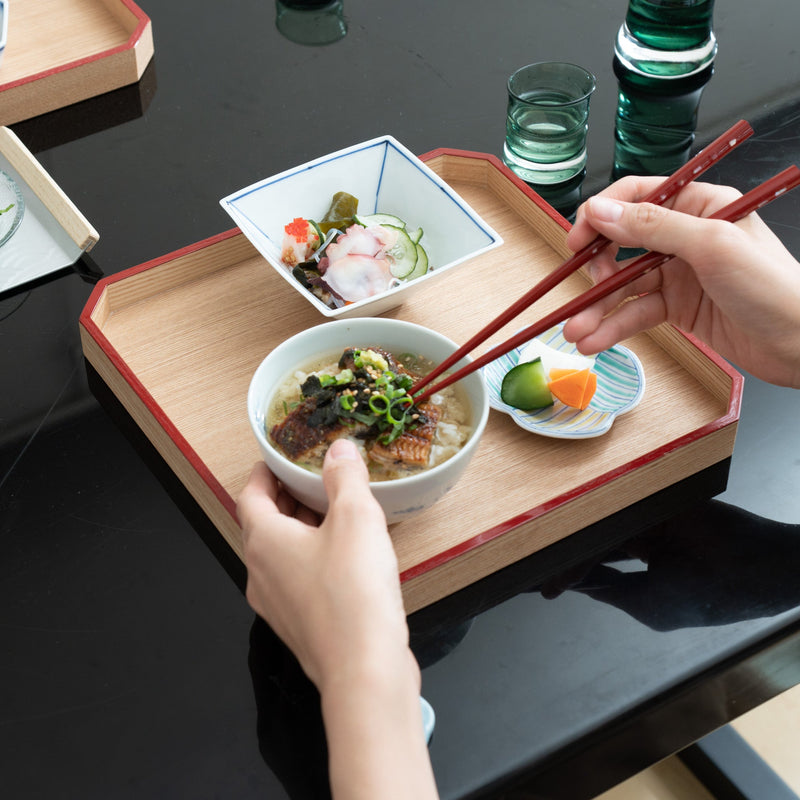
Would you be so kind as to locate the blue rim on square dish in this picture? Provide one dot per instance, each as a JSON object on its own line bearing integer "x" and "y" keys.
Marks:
{"x": 620, "y": 388}
{"x": 12, "y": 207}
{"x": 385, "y": 177}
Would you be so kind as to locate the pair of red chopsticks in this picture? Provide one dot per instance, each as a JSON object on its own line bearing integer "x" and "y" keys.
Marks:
{"x": 752, "y": 201}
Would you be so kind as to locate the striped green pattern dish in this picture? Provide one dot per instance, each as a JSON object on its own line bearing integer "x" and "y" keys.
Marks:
{"x": 620, "y": 387}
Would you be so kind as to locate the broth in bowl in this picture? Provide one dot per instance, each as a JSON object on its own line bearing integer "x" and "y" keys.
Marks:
{"x": 363, "y": 394}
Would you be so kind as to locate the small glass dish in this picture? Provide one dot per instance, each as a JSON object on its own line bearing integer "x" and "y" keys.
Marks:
{"x": 3, "y": 26}
{"x": 620, "y": 387}
{"x": 12, "y": 207}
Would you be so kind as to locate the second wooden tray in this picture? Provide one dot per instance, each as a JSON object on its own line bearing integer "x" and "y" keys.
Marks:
{"x": 178, "y": 339}
{"x": 62, "y": 51}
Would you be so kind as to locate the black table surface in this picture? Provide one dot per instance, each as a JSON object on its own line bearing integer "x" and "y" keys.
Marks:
{"x": 130, "y": 663}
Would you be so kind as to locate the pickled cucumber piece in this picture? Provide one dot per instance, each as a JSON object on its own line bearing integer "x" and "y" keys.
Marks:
{"x": 415, "y": 235}
{"x": 402, "y": 255}
{"x": 379, "y": 219}
{"x": 525, "y": 386}
{"x": 421, "y": 267}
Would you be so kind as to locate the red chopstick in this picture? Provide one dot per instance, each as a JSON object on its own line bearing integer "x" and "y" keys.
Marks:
{"x": 693, "y": 168}
{"x": 754, "y": 199}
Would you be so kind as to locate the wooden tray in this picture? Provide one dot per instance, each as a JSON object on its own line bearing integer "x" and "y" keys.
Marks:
{"x": 63, "y": 51}
{"x": 177, "y": 340}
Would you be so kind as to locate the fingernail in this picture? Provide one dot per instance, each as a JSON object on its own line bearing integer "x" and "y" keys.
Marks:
{"x": 606, "y": 209}
{"x": 343, "y": 449}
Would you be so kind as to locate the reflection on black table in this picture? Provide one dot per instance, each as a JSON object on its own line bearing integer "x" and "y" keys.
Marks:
{"x": 710, "y": 566}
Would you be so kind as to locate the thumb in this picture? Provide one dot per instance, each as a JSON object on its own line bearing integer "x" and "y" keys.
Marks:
{"x": 346, "y": 480}
{"x": 647, "y": 225}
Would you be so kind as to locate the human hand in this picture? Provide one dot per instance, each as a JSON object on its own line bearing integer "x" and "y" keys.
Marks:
{"x": 331, "y": 591}
{"x": 735, "y": 286}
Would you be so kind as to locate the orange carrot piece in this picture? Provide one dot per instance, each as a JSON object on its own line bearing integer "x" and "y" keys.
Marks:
{"x": 560, "y": 372}
{"x": 569, "y": 388}
{"x": 575, "y": 388}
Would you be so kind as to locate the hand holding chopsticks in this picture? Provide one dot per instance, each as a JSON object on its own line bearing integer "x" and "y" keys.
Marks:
{"x": 740, "y": 208}
{"x": 695, "y": 167}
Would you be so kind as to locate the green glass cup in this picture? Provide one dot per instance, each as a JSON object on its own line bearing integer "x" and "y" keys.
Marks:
{"x": 547, "y": 120}
{"x": 667, "y": 38}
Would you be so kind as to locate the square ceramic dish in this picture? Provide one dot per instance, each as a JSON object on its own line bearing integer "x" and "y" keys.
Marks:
{"x": 386, "y": 178}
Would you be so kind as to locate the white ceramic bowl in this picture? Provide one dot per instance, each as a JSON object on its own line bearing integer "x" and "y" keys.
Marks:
{"x": 401, "y": 498}
{"x": 385, "y": 177}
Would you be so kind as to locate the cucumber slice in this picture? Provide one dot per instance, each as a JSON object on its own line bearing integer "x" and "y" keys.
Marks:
{"x": 379, "y": 219}
{"x": 402, "y": 256}
{"x": 525, "y": 386}
{"x": 421, "y": 266}
{"x": 416, "y": 235}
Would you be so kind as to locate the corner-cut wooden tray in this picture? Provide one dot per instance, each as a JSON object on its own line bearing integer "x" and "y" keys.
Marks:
{"x": 177, "y": 340}
{"x": 62, "y": 51}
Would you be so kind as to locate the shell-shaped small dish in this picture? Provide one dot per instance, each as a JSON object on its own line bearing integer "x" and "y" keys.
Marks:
{"x": 620, "y": 388}
{"x": 12, "y": 207}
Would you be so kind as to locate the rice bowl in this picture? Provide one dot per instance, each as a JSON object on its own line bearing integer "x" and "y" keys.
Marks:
{"x": 400, "y": 497}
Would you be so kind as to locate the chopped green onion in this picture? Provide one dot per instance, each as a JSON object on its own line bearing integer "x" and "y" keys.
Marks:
{"x": 405, "y": 382}
{"x": 367, "y": 419}
{"x": 380, "y": 404}
{"x": 396, "y": 431}
{"x": 342, "y": 379}
{"x": 397, "y": 411}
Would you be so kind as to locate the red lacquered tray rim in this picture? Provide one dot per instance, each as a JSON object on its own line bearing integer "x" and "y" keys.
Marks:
{"x": 730, "y": 417}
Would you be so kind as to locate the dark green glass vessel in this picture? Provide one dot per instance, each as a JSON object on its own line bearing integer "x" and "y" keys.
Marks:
{"x": 665, "y": 25}
{"x": 655, "y": 122}
{"x": 667, "y": 38}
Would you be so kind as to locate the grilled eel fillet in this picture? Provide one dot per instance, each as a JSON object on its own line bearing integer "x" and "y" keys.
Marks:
{"x": 308, "y": 430}
{"x": 300, "y": 438}
{"x": 412, "y": 448}
{"x": 302, "y": 441}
